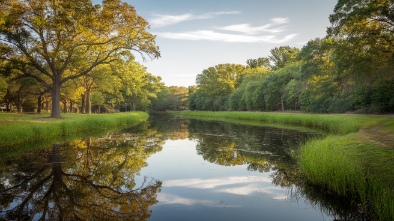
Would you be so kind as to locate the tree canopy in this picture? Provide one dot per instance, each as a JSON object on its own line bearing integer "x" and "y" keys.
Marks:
{"x": 57, "y": 41}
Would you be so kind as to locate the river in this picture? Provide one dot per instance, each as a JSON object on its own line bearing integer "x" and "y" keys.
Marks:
{"x": 169, "y": 168}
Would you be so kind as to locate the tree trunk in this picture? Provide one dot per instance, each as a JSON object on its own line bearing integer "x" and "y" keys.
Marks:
{"x": 19, "y": 102}
{"x": 55, "y": 113}
{"x": 46, "y": 104}
{"x": 83, "y": 105}
{"x": 88, "y": 103}
{"x": 71, "y": 106}
{"x": 39, "y": 104}
{"x": 295, "y": 104}
{"x": 56, "y": 161}
{"x": 88, "y": 154}
{"x": 64, "y": 106}
{"x": 282, "y": 104}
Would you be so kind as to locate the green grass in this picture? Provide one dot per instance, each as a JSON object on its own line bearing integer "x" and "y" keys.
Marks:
{"x": 356, "y": 158}
{"x": 350, "y": 166}
{"x": 22, "y": 129}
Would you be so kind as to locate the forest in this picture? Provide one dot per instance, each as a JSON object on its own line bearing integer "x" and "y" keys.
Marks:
{"x": 67, "y": 61}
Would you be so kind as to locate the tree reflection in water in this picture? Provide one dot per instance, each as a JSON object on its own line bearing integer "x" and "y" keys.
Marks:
{"x": 269, "y": 150}
{"x": 95, "y": 179}
{"x": 83, "y": 180}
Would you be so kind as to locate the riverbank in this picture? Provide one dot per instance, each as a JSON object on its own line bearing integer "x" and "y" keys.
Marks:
{"x": 22, "y": 129}
{"x": 356, "y": 159}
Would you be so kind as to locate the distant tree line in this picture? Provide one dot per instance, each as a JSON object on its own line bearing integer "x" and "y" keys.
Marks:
{"x": 351, "y": 69}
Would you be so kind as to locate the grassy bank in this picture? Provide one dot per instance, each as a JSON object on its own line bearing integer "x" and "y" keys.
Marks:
{"x": 350, "y": 165}
{"x": 355, "y": 159}
{"x": 20, "y": 129}
{"x": 334, "y": 123}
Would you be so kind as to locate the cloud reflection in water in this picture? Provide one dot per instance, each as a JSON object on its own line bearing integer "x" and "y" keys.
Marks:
{"x": 250, "y": 186}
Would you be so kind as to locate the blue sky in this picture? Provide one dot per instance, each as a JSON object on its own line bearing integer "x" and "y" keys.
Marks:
{"x": 195, "y": 35}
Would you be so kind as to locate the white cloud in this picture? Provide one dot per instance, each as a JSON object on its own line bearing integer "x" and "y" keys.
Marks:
{"x": 215, "y": 183}
{"x": 241, "y": 33}
{"x": 174, "y": 199}
{"x": 280, "y": 197}
{"x": 224, "y": 37}
{"x": 280, "y": 20}
{"x": 249, "y": 29}
{"x": 214, "y": 14}
{"x": 244, "y": 186}
{"x": 166, "y": 20}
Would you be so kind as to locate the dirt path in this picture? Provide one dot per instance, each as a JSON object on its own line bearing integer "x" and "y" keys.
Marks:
{"x": 378, "y": 136}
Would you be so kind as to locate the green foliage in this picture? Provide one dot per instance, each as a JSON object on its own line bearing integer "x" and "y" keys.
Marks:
{"x": 82, "y": 37}
{"x": 3, "y": 86}
{"x": 219, "y": 80}
{"x": 215, "y": 84}
{"x": 347, "y": 71}
{"x": 267, "y": 92}
{"x": 259, "y": 63}
{"x": 367, "y": 19}
{"x": 171, "y": 98}
{"x": 377, "y": 98}
{"x": 282, "y": 56}
{"x": 97, "y": 98}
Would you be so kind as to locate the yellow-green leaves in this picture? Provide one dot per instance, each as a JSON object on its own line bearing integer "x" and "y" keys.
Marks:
{"x": 65, "y": 40}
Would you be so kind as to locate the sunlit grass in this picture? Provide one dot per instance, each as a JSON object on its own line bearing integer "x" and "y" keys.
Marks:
{"x": 19, "y": 129}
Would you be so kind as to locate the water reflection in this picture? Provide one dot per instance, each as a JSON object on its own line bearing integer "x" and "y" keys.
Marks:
{"x": 88, "y": 179}
{"x": 106, "y": 178}
{"x": 266, "y": 150}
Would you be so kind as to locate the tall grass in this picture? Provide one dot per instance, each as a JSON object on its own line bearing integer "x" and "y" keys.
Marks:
{"x": 349, "y": 166}
{"x": 17, "y": 129}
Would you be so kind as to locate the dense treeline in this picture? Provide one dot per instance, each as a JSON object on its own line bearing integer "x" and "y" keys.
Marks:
{"x": 63, "y": 60}
{"x": 351, "y": 69}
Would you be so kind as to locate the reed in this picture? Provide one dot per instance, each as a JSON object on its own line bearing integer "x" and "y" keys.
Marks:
{"x": 19, "y": 129}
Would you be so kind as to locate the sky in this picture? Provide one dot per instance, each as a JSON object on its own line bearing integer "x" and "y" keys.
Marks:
{"x": 195, "y": 35}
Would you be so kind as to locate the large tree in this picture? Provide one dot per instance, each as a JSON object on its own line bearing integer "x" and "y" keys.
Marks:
{"x": 364, "y": 51}
{"x": 364, "y": 19}
{"x": 58, "y": 35}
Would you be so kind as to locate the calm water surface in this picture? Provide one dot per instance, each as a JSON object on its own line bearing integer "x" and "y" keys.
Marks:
{"x": 169, "y": 168}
